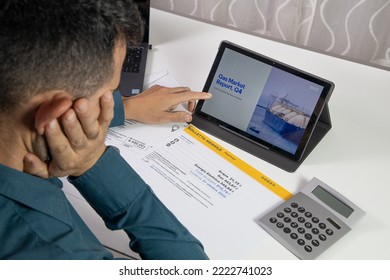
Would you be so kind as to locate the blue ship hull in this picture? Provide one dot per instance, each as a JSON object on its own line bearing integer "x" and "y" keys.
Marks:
{"x": 285, "y": 129}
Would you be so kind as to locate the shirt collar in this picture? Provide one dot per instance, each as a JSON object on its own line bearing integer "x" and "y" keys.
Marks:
{"x": 43, "y": 195}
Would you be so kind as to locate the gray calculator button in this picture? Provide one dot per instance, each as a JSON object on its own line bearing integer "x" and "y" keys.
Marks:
{"x": 301, "y": 209}
{"x": 322, "y": 226}
{"x": 287, "y": 230}
{"x": 315, "y": 220}
{"x": 329, "y": 231}
{"x": 301, "y": 219}
{"x": 273, "y": 220}
{"x": 315, "y": 242}
{"x": 308, "y": 214}
{"x": 322, "y": 237}
{"x": 279, "y": 225}
{"x": 287, "y": 219}
{"x": 294, "y": 214}
{"x": 301, "y": 242}
{"x": 308, "y": 248}
{"x": 294, "y": 235}
{"x": 287, "y": 210}
{"x": 294, "y": 205}
{"x": 280, "y": 215}
{"x": 301, "y": 230}
{"x": 315, "y": 231}
{"x": 308, "y": 236}
{"x": 294, "y": 225}
{"x": 308, "y": 225}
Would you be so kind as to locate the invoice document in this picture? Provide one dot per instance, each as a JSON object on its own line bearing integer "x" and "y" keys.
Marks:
{"x": 217, "y": 199}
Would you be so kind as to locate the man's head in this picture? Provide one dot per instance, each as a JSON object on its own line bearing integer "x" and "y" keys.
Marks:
{"x": 61, "y": 45}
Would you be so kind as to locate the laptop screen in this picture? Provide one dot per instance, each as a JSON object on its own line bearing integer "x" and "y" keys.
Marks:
{"x": 134, "y": 65}
{"x": 144, "y": 8}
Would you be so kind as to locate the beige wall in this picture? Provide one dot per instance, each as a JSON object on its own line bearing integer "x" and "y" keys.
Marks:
{"x": 358, "y": 30}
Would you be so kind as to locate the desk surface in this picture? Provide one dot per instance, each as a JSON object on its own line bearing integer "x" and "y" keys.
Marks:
{"x": 353, "y": 157}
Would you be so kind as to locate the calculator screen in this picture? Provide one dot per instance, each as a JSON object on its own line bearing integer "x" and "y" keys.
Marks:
{"x": 332, "y": 201}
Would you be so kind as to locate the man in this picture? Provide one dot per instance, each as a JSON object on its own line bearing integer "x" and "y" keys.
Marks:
{"x": 60, "y": 65}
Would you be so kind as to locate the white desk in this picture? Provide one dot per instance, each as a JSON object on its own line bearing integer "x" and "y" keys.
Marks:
{"x": 354, "y": 156}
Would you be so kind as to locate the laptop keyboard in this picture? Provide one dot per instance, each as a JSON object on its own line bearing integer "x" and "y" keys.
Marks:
{"x": 132, "y": 61}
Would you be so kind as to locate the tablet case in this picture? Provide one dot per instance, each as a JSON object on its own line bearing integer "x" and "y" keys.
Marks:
{"x": 321, "y": 128}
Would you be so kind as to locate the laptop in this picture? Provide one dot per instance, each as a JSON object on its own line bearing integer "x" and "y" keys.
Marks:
{"x": 133, "y": 69}
{"x": 272, "y": 110}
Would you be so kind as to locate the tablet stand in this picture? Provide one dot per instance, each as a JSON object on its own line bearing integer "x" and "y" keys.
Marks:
{"x": 322, "y": 127}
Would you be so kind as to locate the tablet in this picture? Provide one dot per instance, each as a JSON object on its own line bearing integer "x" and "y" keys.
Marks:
{"x": 263, "y": 101}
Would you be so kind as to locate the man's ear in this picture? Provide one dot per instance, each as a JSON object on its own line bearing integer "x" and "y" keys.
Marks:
{"x": 51, "y": 109}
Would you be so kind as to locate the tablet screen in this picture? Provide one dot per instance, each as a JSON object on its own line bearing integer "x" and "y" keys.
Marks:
{"x": 263, "y": 100}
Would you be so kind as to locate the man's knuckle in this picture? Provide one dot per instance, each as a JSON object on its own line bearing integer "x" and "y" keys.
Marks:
{"x": 93, "y": 135}
{"x": 60, "y": 149}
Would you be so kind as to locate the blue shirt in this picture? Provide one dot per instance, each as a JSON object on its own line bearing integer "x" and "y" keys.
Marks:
{"x": 38, "y": 222}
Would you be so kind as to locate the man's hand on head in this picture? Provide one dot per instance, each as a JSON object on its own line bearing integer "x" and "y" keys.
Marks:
{"x": 75, "y": 140}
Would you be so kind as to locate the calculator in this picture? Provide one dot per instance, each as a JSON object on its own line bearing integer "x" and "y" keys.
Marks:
{"x": 312, "y": 220}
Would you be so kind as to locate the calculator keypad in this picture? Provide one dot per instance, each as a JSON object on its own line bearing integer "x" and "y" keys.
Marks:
{"x": 311, "y": 232}
{"x": 303, "y": 226}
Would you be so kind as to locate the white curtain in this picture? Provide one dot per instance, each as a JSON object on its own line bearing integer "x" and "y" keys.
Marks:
{"x": 355, "y": 29}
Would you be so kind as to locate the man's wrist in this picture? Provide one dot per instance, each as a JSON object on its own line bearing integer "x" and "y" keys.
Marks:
{"x": 87, "y": 167}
